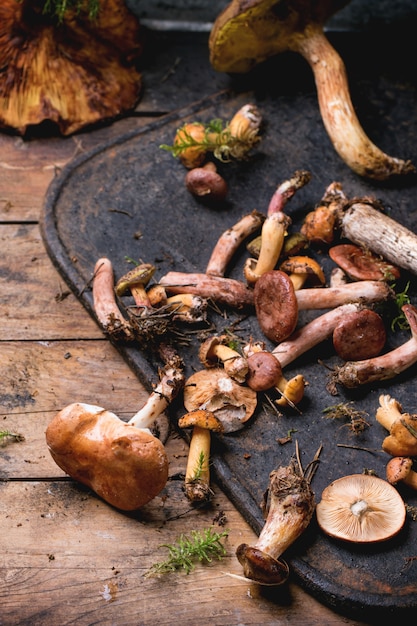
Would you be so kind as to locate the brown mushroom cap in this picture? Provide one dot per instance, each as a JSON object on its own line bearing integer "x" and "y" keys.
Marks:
{"x": 360, "y": 264}
{"x": 361, "y": 508}
{"x": 402, "y": 440}
{"x": 215, "y": 391}
{"x": 124, "y": 465}
{"x": 264, "y": 371}
{"x": 203, "y": 419}
{"x": 276, "y": 305}
{"x": 359, "y": 335}
{"x": 74, "y": 74}
{"x": 398, "y": 468}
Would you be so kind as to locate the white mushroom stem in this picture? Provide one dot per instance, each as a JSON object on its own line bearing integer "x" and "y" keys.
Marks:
{"x": 311, "y": 334}
{"x": 367, "y": 227}
{"x": 388, "y": 365}
{"x": 365, "y": 291}
{"x": 338, "y": 113}
{"x": 104, "y": 301}
{"x": 230, "y": 241}
{"x": 171, "y": 382}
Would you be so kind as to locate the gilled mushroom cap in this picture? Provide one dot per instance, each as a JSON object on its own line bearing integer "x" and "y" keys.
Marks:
{"x": 360, "y": 264}
{"x": 212, "y": 389}
{"x": 74, "y": 74}
{"x": 361, "y": 508}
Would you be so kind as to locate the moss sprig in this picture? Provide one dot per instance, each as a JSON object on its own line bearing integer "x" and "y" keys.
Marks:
{"x": 199, "y": 546}
{"x": 59, "y": 8}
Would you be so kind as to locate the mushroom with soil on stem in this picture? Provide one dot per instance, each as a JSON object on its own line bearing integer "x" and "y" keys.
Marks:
{"x": 197, "y": 474}
{"x": 289, "y": 507}
{"x": 402, "y": 427}
{"x": 361, "y": 508}
{"x": 400, "y": 470}
{"x": 385, "y": 366}
{"x": 214, "y": 350}
{"x": 247, "y": 33}
{"x": 73, "y": 69}
{"x": 105, "y": 305}
{"x": 125, "y": 463}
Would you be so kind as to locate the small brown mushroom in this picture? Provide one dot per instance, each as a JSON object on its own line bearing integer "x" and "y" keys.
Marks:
{"x": 276, "y": 305}
{"x": 215, "y": 349}
{"x": 303, "y": 270}
{"x": 402, "y": 427}
{"x": 360, "y": 264}
{"x": 400, "y": 470}
{"x": 385, "y": 366}
{"x": 206, "y": 184}
{"x": 135, "y": 281}
{"x": 212, "y": 389}
{"x": 197, "y": 475}
{"x": 361, "y": 508}
{"x": 359, "y": 335}
{"x": 319, "y": 226}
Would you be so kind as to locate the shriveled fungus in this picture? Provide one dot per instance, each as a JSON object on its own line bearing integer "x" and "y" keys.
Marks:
{"x": 73, "y": 73}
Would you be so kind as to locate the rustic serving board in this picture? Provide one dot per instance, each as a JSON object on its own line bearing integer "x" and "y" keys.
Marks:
{"x": 101, "y": 201}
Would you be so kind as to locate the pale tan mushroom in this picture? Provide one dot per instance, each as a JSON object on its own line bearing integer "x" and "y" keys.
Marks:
{"x": 214, "y": 350}
{"x": 361, "y": 508}
{"x": 402, "y": 427}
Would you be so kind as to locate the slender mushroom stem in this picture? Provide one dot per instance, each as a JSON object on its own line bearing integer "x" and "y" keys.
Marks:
{"x": 273, "y": 234}
{"x": 214, "y": 350}
{"x": 291, "y": 507}
{"x": 229, "y": 242}
{"x": 105, "y": 305}
{"x": 170, "y": 384}
{"x": 386, "y": 366}
{"x": 311, "y": 334}
{"x": 285, "y": 191}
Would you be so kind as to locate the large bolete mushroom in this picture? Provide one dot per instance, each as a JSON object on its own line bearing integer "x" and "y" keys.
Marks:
{"x": 73, "y": 73}
{"x": 247, "y": 32}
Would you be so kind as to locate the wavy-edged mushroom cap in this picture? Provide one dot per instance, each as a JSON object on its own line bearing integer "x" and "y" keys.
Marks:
{"x": 124, "y": 465}
{"x": 303, "y": 269}
{"x": 361, "y": 508}
{"x": 215, "y": 391}
{"x": 360, "y": 264}
{"x": 276, "y": 305}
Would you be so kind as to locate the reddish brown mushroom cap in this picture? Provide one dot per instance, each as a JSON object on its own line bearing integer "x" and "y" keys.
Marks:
{"x": 276, "y": 305}
{"x": 360, "y": 264}
{"x": 264, "y": 371}
{"x": 359, "y": 335}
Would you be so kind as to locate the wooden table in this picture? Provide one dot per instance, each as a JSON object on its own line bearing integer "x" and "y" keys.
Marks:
{"x": 66, "y": 556}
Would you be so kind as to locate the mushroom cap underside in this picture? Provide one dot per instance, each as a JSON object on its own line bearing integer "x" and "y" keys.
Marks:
{"x": 361, "y": 508}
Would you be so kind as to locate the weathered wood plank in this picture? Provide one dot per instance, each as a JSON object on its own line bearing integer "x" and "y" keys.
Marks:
{"x": 36, "y": 302}
{"x": 67, "y": 557}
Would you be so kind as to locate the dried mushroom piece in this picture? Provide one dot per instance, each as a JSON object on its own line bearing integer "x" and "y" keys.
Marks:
{"x": 361, "y": 508}
{"x": 73, "y": 73}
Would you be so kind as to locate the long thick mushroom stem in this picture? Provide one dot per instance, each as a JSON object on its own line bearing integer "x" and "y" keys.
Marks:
{"x": 312, "y": 334}
{"x": 343, "y": 127}
{"x": 291, "y": 507}
{"x": 388, "y": 365}
{"x": 229, "y": 242}
{"x": 105, "y": 305}
{"x": 365, "y": 291}
{"x": 227, "y": 291}
{"x": 365, "y": 225}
